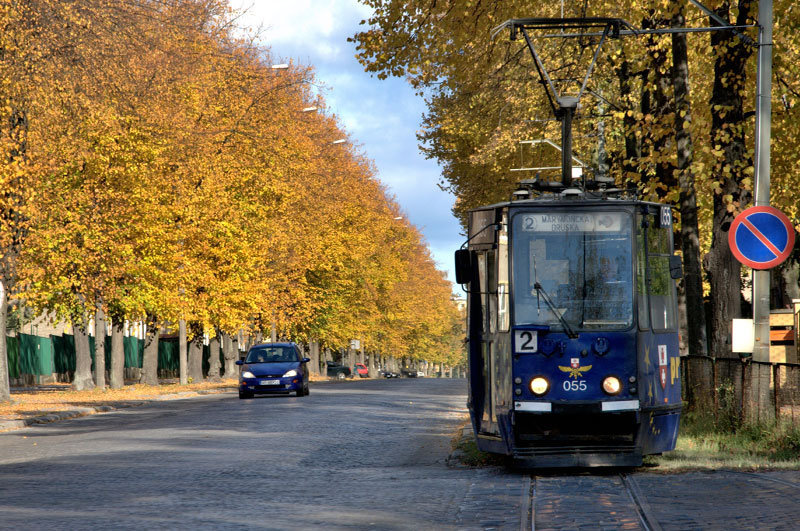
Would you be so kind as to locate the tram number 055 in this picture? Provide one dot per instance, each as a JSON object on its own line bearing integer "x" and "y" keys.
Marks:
{"x": 574, "y": 385}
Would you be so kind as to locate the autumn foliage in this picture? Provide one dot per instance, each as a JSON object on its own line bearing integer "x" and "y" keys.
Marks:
{"x": 670, "y": 115}
{"x": 155, "y": 165}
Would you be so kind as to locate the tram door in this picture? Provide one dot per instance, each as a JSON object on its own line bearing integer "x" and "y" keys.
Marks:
{"x": 657, "y": 311}
{"x": 487, "y": 268}
{"x": 484, "y": 352}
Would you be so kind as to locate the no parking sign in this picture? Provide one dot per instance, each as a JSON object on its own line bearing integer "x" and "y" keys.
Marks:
{"x": 761, "y": 237}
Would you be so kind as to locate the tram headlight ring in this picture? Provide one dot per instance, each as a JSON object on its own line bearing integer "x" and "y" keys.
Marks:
{"x": 612, "y": 385}
{"x": 539, "y": 385}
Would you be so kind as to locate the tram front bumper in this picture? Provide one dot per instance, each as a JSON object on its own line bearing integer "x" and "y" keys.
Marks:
{"x": 537, "y": 406}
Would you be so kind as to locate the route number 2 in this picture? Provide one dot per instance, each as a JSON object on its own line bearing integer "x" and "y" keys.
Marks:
{"x": 574, "y": 385}
{"x": 525, "y": 341}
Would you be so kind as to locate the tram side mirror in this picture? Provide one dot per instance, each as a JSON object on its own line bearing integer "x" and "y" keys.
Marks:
{"x": 463, "y": 266}
{"x": 675, "y": 267}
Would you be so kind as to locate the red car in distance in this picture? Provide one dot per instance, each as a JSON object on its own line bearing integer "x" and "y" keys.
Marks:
{"x": 362, "y": 370}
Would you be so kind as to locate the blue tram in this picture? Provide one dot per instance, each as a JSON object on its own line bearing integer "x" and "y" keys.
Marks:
{"x": 572, "y": 328}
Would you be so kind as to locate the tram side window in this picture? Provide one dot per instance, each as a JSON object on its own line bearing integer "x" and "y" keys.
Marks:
{"x": 491, "y": 286}
{"x": 503, "y": 316}
{"x": 642, "y": 305}
{"x": 661, "y": 287}
{"x": 483, "y": 288}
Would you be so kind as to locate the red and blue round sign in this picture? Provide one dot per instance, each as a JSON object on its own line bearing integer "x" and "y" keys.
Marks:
{"x": 761, "y": 237}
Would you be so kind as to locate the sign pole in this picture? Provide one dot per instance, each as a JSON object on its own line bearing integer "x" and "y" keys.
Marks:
{"x": 761, "y": 278}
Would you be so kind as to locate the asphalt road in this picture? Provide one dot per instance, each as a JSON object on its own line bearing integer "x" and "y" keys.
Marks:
{"x": 359, "y": 455}
{"x": 355, "y": 454}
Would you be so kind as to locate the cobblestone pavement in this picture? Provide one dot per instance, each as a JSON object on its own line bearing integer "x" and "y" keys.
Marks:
{"x": 352, "y": 455}
{"x": 696, "y": 500}
{"x": 367, "y": 454}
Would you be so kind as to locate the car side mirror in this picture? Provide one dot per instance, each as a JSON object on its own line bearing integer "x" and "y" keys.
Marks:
{"x": 464, "y": 259}
{"x": 239, "y": 362}
{"x": 306, "y": 360}
{"x": 675, "y": 267}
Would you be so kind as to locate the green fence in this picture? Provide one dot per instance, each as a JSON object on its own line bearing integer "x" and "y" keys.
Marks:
{"x": 36, "y": 355}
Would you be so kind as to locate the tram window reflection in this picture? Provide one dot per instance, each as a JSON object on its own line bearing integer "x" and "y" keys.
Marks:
{"x": 587, "y": 274}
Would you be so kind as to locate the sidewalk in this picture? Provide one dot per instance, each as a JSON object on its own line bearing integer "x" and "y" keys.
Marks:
{"x": 53, "y": 402}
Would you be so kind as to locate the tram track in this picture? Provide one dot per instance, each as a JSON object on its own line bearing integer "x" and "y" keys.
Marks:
{"x": 613, "y": 500}
{"x": 649, "y": 523}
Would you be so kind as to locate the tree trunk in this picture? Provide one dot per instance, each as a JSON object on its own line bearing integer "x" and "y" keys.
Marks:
{"x": 213, "y": 358}
{"x": 14, "y": 192}
{"x": 83, "y": 358}
{"x": 632, "y": 148}
{"x": 696, "y": 340}
{"x": 150, "y": 358}
{"x": 313, "y": 353}
{"x": 116, "y": 378}
{"x": 230, "y": 354}
{"x": 326, "y": 359}
{"x": 5, "y": 384}
{"x": 99, "y": 346}
{"x": 196, "y": 353}
{"x": 727, "y": 136}
{"x": 373, "y": 369}
{"x": 184, "y": 378}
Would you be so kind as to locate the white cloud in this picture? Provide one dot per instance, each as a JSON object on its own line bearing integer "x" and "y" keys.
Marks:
{"x": 287, "y": 22}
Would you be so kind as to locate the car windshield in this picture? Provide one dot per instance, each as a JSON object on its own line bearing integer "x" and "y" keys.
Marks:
{"x": 271, "y": 355}
{"x": 573, "y": 267}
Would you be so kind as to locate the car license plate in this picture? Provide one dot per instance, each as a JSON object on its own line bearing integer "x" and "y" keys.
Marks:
{"x": 269, "y": 382}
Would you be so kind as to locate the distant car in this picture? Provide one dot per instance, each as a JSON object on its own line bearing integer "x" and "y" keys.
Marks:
{"x": 273, "y": 368}
{"x": 408, "y": 373}
{"x": 389, "y": 374}
{"x": 420, "y": 374}
{"x": 337, "y": 370}
{"x": 362, "y": 370}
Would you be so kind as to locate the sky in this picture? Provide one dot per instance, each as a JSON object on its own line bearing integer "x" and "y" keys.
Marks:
{"x": 381, "y": 117}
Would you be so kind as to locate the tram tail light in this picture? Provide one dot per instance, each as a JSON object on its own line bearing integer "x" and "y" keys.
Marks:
{"x": 539, "y": 385}
{"x": 612, "y": 385}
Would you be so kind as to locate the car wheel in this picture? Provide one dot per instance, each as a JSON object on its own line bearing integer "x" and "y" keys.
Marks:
{"x": 341, "y": 376}
{"x": 243, "y": 396}
{"x": 299, "y": 392}
{"x": 306, "y": 391}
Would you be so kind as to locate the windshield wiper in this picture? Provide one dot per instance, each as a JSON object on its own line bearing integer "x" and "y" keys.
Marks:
{"x": 540, "y": 290}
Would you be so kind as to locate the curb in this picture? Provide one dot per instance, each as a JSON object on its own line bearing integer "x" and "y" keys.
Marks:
{"x": 457, "y": 455}
{"x": 8, "y": 425}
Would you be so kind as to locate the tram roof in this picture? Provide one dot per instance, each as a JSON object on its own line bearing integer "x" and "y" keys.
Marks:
{"x": 559, "y": 200}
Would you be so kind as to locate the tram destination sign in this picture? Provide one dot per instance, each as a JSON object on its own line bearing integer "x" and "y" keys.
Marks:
{"x": 761, "y": 237}
{"x": 572, "y": 222}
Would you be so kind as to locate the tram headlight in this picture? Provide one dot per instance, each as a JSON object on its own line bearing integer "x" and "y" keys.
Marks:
{"x": 612, "y": 385}
{"x": 539, "y": 385}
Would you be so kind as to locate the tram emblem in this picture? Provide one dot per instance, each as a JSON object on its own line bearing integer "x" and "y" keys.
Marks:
{"x": 663, "y": 363}
{"x": 575, "y": 370}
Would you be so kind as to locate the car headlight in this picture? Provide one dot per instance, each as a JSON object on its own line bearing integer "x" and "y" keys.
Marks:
{"x": 612, "y": 385}
{"x": 539, "y": 385}
{"x": 290, "y": 373}
{"x": 248, "y": 374}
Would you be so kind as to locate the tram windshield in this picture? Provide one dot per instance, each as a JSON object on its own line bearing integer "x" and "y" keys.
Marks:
{"x": 581, "y": 261}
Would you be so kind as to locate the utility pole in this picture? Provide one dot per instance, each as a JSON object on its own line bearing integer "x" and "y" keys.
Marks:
{"x": 761, "y": 278}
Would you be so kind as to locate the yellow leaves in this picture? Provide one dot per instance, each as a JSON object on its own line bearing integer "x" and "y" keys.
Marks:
{"x": 179, "y": 179}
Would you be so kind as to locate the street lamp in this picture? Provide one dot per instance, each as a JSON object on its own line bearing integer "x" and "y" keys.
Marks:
{"x": 340, "y": 141}
{"x": 281, "y": 66}
{"x": 309, "y": 109}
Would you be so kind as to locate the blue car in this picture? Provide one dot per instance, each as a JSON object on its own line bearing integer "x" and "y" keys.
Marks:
{"x": 273, "y": 368}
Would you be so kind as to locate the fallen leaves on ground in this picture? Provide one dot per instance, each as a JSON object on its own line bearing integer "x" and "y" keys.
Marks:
{"x": 40, "y": 400}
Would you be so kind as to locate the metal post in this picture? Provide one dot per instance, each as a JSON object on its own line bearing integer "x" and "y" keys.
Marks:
{"x": 761, "y": 279}
{"x": 567, "y": 105}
